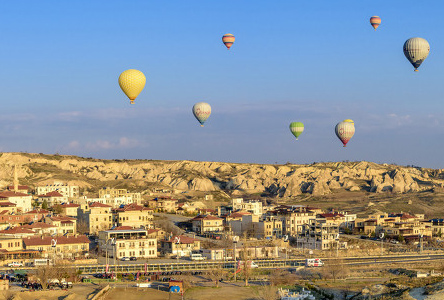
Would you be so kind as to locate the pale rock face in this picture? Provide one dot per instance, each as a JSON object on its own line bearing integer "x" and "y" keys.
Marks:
{"x": 280, "y": 180}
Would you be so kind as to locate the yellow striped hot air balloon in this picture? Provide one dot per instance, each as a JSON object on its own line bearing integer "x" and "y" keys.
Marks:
{"x": 375, "y": 21}
{"x": 228, "y": 40}
{"x": 132, "y": 83}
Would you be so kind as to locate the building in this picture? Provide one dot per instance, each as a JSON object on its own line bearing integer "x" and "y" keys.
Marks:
{"x": 293, "y": 218}
{"x": 207, "y": 223}
{"x": 120, "y": 193}
{"x": 133, "y": 215}
{"x": 319, "y": 235}
{"x": 22, "y": 201}
{"x": 8, "y": 207}
{"x": 52, "y": 198}
{"x": 71, "y": 191}
{"x": 69, "y": 209}
{"x": 127, "y": 243}
{"x": 63, "y": 224}
{"x": 269, "y": 227}
{"x": 252, "y": 206}
{"x": 180, "y": 245}
{"x": 163, "y": 204}
{"x": 96, "y": 216}
{"x": 68, "y": 246}
{"x": 24, "y": 189}
{"x": 12, "y": 249}
{"x": 41, "y": 228}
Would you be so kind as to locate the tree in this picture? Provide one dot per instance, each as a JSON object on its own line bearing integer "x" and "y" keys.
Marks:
{"x": 335, "y": 268}
{"x": 267, "y": 292}
{"x": 216, "y": 274}
{"x": 246, "y": 263}
{"x": 44, "y": 274}
{"x": 57, "y": 209}
{"x": 45, "y": 204}
{"x": 82, "y": 226}
{"x": 281, "y": 277}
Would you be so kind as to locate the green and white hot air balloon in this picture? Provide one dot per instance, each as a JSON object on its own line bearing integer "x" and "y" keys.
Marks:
{"x": 202, "y": 112}
{"x": 296, "y": 128}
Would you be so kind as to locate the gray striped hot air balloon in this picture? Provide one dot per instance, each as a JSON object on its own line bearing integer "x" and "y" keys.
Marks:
{"x": 201, "y": 111}
{"x": 416, "y": 50}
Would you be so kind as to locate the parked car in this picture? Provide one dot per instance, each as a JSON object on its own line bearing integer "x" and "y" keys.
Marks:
{"x": 15, "y": 264}
{"x": 133, "y": 258}
{"x": 125, "y": 258}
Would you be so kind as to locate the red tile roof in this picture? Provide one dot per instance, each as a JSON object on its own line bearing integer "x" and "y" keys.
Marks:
{"x": 205, "y": 217}
{"x": 122, "y": 228}
{"x": 132, "y": 207}
{"x": 183, "y": 239}
{"x": 3, "y": 204}
{"x": 149, "y": 231}
{"x": 38, "y": 211}
{"x": 69, "y": 205}
{"x": 61, "y": 240}
{"x": 7, "y": 194}
{"x": 239, "y": 214}
{"x": 17, "y": 230}
{"x": 62, "y": 218}
{"x": 51, "y": 194}
{"x": 20, "y": 187}
{"x": 98, "y": 204}
{"x": 38, "y": 225}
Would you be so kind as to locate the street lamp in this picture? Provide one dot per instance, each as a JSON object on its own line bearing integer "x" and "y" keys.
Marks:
{"x": 177, "y": 242}
{"x": 420, "y": 242}
{"x": 54, "y": 247}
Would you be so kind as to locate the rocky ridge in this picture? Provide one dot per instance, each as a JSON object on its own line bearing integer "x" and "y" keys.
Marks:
{"x": 283, "y": 181}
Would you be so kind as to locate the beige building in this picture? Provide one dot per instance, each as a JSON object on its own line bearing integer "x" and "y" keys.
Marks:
{"x": 133, "y": 215}
{"x": 69, "y": 209}
{"x": 252, "y": 206}
{"x": 293, "y": 218}
{"x": 207, "y": 223}
{"x": 253, "y": 227}
{"x": 180, "y": 245}
{"x": 63, "y": 224}
{"x": 127, "y": 243}
{"x": 163, "y": 204}
{"x": 96, "y": 216}
{"x": 319, "y": 235}
{"x": 61, "y": 246}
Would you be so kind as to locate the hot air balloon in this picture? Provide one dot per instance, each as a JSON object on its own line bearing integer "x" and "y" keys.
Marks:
{"x": 228, "y": 40}
{"x": 375, "y": 21}
{"x": 296, "y": 128}
{"x": 345, "y": 131}
{"x": 201, "y": 111}
{"x": 416, "y": 50}
{"x": 132, "y": 83}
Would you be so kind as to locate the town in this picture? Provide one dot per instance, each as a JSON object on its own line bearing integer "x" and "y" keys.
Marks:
{"x": 118, "y": 231}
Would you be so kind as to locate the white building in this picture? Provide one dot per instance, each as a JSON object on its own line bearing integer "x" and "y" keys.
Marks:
{"x": 252, "y": 206}
{"x": 114, "y": 202}
{"x": 63, "y": 188}
{"x": 127, "y": 243}
{"x": 23, "y": 201}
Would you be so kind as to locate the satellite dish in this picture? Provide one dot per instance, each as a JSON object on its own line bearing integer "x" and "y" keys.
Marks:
{"x": 286, "y": 238}
{"x": 177, "y": 240}
{"x": 421, "y": 235}
{"x": 381, "y": 235}
{"x": 235, "y": 239}
{"x": 53, "y": 243}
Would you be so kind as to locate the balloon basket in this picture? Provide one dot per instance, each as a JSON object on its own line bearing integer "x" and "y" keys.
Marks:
{"x": 201, "y": 126}
{"x": 416, "y": 70}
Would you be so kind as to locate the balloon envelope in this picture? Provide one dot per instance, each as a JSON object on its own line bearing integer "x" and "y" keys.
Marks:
{"x": 345, "y": 131}
{"x": 201, "y": 111}
{"x": 228, "y": 40}
{"x": 296, "y": 128}
{"x": 132, "y": 83}
{"x": 416, "y": 50}
{"x": 375, "y": 21}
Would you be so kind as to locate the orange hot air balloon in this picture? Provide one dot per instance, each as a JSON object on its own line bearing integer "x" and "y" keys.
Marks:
{"x": 228, "y": 40}
{"x": 375, "y": 21}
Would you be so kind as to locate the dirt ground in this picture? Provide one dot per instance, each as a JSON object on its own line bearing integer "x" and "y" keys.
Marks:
{"x": 136, "y": 294}
{"x": 78, "y": 292}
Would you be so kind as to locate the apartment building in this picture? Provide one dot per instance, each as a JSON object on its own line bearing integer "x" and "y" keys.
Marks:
{"x": 133, "y": 215}
{"x": 22, "y": 201}
{"x": 180, "y": 245}
{"x": 207, "y": 223}
{"x": 252, "y": 206}
{"x": 166, "y": 204}
{"x": 96, "y": 216}
{"x": 318, "y": 234}
{"x": 52, "y": 198}
{"x": 69, "y": 209}
{"x": 63, "y": 224}
{"x": 293, "y": 218}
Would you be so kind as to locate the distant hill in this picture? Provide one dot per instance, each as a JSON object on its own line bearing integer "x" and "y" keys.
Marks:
{"x": 278, "y": 181}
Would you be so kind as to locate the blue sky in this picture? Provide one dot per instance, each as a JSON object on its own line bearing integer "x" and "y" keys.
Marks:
{"x": 317, "y": 62}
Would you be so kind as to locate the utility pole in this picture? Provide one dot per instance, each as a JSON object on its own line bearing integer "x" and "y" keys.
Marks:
{"x": 421, "y": 248}
{"x": 381, "y": 236}
{"x": 235, "y": 240}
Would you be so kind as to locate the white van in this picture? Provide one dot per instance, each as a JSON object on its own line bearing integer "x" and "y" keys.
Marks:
{"x": 197, "y": 256}
{"x": 250, "y": 263}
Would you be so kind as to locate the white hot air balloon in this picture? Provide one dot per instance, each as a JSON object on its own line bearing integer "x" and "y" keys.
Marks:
{"x": 345, "y": 130}
{"x": 202, "y": 112}
{"x": 416, "y": 50}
